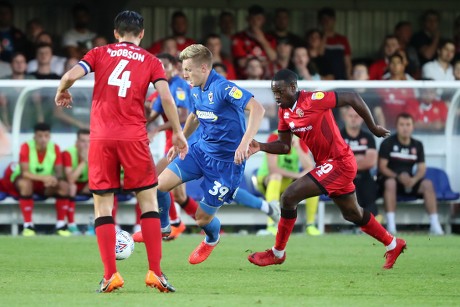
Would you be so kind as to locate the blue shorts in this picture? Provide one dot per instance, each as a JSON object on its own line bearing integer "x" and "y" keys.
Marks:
{"x": 220, "y": 178}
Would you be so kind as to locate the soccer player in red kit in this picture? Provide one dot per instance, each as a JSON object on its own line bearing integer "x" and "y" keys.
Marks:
{"x": 308, "y": 115}
{"x": 118, "y": 138}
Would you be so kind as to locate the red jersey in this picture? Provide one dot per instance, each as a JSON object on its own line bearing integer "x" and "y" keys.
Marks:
{"x": 24, "y": 155}
{"x": 123, "y": 72}
{"x": 338, "y": 42}
{"x": 436, "y": 111}
{"x": 312, "y": 121}
{"x": 378, "y": 69}
{"x": 67, "y": 159}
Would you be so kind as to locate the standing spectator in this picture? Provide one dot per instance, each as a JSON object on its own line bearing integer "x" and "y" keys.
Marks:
{"x": 169, "y": 46}
{"x": 428, "y": 112}
{"x": 427, "y": 39}
{"x": 11, "y": 39}
{"x": 214, "y": 44}
{"x": 227, "y": 28}
{"x": 379, "y": 67}
{"x": 403, "y": 32}
{"x": 337, "y": 50}
{"x": 300, "y": 64}
{"x": 362, "y": 144}
{"x": 179, "y": 30}
{"x": 77, "y": 41}
{"x": 441, "y": 68}
{"x": 40, "y": 171}
{"x": 44, "y": 54}
{"x": 283, "y": 56}
{"x": 315, "y": 47}
{"x": 253, "y": 42}
{"x": 398, "y": 155}
{"x": 281, "y": 28}
{"x": 57, "y": 62}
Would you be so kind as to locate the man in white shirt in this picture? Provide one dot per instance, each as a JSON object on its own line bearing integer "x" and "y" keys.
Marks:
{"x": 441, "y": 68}
{"x": 77, "y": 41}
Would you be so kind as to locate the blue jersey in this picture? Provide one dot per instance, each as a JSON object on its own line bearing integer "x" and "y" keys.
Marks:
{"x": 220, "y": 109}
{"x": 180, "y": 91}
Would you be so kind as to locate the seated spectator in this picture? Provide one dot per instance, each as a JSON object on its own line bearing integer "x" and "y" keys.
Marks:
{"x": 457, "y": 70}
{"x": 277, "y": 172}
{"x": 169, "y": 46}
{"x": 57, "y": 62}
{"x": 44, "y": 55}
{"x": 427, "y": 39}
{"x": 362, "y": 144}
{"x": 281, "y": 28}
{"x": 77, "y": 41}
{"x": 214, "y": 44}
{"x": 226, "y": 31}
{"x": 253, "y": 42}
{"x": 40, "y": 172}
{"x": 395, "y": 75}
{"x": 254, "y": 69}
{"x": 99, "y": 41}
{"x": 337, "y": 49}
{"x": 179, "y": 31}
{"x": 283, "y": 56}
{"x": 11, "y": 38}
{"x": 398, "y": 155}
{"x": 403, "y": 32}
{"x": 429, "y": 113}
{"x": 441, "y": 69}
{"x": 315, "y": 47}
{"x": 379, "y": 67}
{"x": 300, "y": 64}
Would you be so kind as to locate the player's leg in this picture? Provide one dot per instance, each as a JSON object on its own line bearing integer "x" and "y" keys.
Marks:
{"x": 61, "y": 192}
{"x": 429, "y": 196}
{"x": 26, "y": 204}
{"x": 389, "y": 189}
{"x": 177, "y": 226}
{"x": 188, "y": 204}
{"x": 311, "y": 205}
{"x": 274, "y": 185}
{"x": 247, "y": 199}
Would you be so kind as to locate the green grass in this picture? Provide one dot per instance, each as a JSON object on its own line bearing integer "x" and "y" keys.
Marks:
{"x": 332, "y": 270}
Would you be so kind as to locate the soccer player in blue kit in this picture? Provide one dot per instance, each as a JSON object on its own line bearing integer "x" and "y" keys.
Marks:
{"x": 220, "y": 153}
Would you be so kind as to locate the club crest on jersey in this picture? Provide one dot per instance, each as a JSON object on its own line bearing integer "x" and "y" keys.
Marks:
{"x": 317, "y": 96}
{"x": 299, "y": 112}
{"x": 236, "y": 93}
{"x": 210, "y": 98}
{"x": 180, "y": 93}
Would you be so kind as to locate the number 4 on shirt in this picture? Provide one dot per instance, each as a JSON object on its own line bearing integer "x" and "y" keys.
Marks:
{"x": 123, "y": 83}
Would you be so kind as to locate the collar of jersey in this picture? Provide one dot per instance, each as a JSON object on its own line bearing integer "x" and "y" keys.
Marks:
{"x": 293, "y": 107}
{"x": 211, "y": 77}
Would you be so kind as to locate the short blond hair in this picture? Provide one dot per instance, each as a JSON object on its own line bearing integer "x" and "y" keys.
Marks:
{"x": 198, "y": 53}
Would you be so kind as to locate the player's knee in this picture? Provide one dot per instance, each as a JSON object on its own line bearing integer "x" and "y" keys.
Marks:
{"x": 288, "y": 201}
{"x": 24, "y": 186}
{"x": 353, "y": 216}
{"x": 63, "y": 188}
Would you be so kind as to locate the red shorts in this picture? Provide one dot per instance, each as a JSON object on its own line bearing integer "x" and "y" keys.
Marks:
{"x": 81, "y": 186}
{"x": 107, "y": 156}
{"x": 335, "y": 177}
{"x": 8, "y": 187}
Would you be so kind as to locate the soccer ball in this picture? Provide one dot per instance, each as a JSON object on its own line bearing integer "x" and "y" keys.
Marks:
{"x": 124, "y": 246}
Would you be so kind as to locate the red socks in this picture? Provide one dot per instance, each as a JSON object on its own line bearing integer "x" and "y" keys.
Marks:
{"x": 190, "y": 206}
{"x": 106, "y": 240}
{"x": 26, "y": 205}
{"x": 71, "y": 212}
{"x": 374, "y": 229}
{"x": 285, "y": 227}
{"x": 62, "y": 206}
{"x": 151, "y": 232}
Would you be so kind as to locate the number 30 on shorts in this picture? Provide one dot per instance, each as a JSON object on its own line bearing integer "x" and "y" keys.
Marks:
{"x": 218, "y": 188}
{"x": 324, "y": 169}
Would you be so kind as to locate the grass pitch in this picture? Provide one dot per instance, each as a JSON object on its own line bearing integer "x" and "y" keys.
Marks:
{"x": 332, "y": 270}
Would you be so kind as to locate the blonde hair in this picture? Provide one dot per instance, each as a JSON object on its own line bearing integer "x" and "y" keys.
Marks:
{"x": 198, "y": 53}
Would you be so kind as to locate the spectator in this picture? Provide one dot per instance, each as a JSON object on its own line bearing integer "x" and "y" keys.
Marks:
{"x": 283, "y": 56}
{"x": 220, "y": 68}
{"x": 44, "y": 55}
{"x": 169, "y": 46}
{"x": 397, "y": 71}
{"x": 99, "y": 41}
{"x": 398, "y": 155}
{"x": 403, "y": 32}
{"x": 18, "y": 67}
{"x": 253, "y": 42}
{"x": 227, "y": 28}
{"x": 214, "y": 44}
{"x": 428, "y": 112}
{"x": 427, "y": 39}
{"x": 254, "y": 69}
{"x": 77, "y": 41}
{"x": 40, "y": 171}
{"x": 57, "y": 62}
{"x": 11, "y": 39}
{"x": 281, "y": 28}
{"x": 315, "y": 47}
{"x": 457, "y": 70}
{"x": 33, "y": 28}
{"x": 362, "y": 144}
{"x": 441, "y": 69}
{"x": 337, "y": 50}
{"x": 179, "y": 30}
{"x": 278, "y": 171}
{"x": 300, "y": 64}
{"x": 379, "y": 67}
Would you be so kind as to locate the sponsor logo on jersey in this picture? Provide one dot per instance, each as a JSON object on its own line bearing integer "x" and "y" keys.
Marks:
{"x": 301, "y": 129}
{"x": 180, "y": 93}
{"x": 206, "y": 115}
{"x": 286, "y": 115}
{"x": 317, "y": 96}
{"x": 210, "y": 98}
{"x": 227, "y": 87}
{"x": 195, "y": 95}
{"x": 299, "y": 112}
{"x": 236, "y": 93}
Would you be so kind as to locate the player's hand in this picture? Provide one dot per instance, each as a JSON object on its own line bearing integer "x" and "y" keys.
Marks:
{"x": 63, "y": 99}
{"x": 172, "y": 154}
{"x": 242, "y": 153}
{"x": 254, "y": 147}
{"x": 180, "y": 144}
{"x": 380, "y": 131}
{"x": 50, "y": 181}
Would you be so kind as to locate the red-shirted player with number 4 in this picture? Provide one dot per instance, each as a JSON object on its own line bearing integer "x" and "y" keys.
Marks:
{"x": 308, "y": 115}
{"x": 118, "y": 137}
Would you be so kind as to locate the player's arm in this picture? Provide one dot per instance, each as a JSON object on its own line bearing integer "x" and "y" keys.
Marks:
{"x": 63, "y": 97}
{"x": 25, "y": 173}
{"x": 182, "y": 112}
{"x": 367, "y": 160}
{"x": 191, "y": 124}
{"x": 71, "y": 174}
{"x": 356, "y": 102}
{"x": 278, "y": 147}
{"x": 385, "y": 170}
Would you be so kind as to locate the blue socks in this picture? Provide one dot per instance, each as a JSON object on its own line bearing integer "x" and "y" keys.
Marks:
{"x": 212, "y": 231}
{"x": 246, "y": 199}
{"x": 164, "y": 202}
